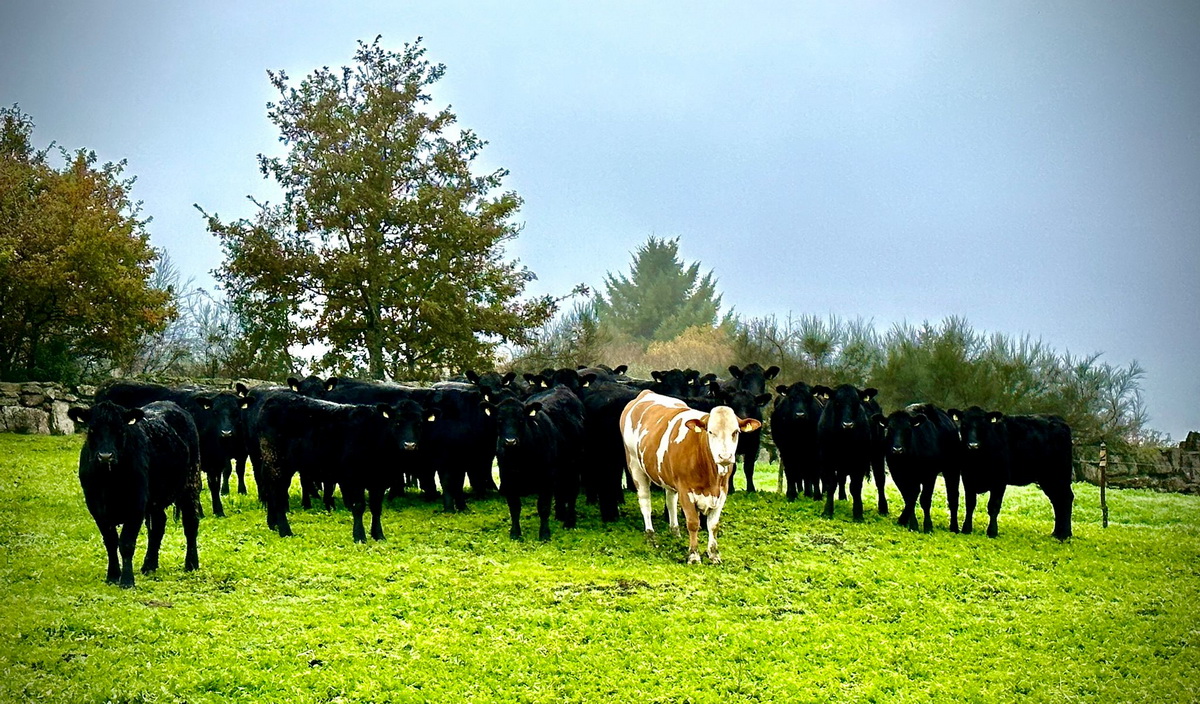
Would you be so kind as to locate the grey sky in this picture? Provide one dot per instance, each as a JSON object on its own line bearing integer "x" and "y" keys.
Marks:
{"x": 1032, "y": 166}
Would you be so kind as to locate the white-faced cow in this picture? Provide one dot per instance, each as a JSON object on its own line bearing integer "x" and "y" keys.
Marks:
{"x": 687, "y": 452}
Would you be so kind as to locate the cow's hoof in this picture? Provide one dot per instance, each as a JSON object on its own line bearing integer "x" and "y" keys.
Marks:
{"x": 992, "y": 533}
{"x": 693, "y": 558}
{"x": 967, "y": 530}
{"x": 147, "y": 569}
{"x": 514, "y": 534}
{"x": 714, "y": 557}
{"x": 544, "y": 536}
{"x": 651, "y": 538}
{"x": 953, "y": 528}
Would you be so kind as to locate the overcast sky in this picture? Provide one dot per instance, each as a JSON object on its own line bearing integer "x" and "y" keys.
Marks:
{"x": 1031, "y": 166}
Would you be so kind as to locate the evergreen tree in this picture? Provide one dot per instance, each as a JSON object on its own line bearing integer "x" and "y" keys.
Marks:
{"x": 661, "y": 297}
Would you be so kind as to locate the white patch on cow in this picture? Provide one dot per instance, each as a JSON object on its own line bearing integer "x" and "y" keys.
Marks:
{"x": 705, "y": 502}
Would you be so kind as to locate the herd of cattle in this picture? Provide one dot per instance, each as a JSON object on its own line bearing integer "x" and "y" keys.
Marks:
{"x": 553, "y": 435}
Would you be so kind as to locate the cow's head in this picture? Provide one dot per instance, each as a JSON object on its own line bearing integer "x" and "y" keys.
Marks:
{"x": 979, "y": 429}
{"x": 312, "y": 386}
{"x": 800, "y": 401}
{"x": 847, "y": 408}
{"x": 407, "y": 422}
{"x": 722, "y": 427}
{"x": 217, "y": 415}
{"x": 898, "y": 429}
{"x": 107, "y": 429}
{"x": 753, "y": 378}
{"x": 512, "y": 418}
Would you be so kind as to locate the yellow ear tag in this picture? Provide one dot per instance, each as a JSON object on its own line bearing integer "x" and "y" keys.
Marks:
{"x": 697, "y": 429}
{"x": 385, "y": 414}
{"x": 432, "y": 417}
{"x": 533, "y": 414}
{"x": 487, "y": 411}
{"x": 995, "y": 420}
{"x": 132, "y": 421}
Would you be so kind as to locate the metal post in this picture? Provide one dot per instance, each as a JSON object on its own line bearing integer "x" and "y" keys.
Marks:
{"x": 1104, "y": 481}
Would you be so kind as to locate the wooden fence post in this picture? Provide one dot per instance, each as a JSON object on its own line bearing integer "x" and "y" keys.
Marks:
{"x": 1104, "y": 481}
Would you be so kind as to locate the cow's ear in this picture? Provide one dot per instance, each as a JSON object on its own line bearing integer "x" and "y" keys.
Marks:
{"x": 693, "y": 375}
{"x": 995, "y": 416}
{"x": 879, "y": 419}
{"x": 508, "y": 378}
{"x": 431, "y": 415}
{"x": 133, "y": 415}
{"x": 487, "y": 408}
{"x": 749, "y": 425}
{"x": 822, "y": 391}
{"x": 79, "y": 414}
{"x": 656, "y": 375}
{"x": 244, "y": 404}
{"x": 735, "y": 372}
{"x": 772, "y": 372}
{"x": 384, "y": 410}
{"x": 869, "y": 393}
{"x": 587, "y": 379}
{"x": 918, "y": 418}
{"x": 955, "y": 415}
{"x": 697, "y": 425}
{"x": 530, "y": 377}
{"x": 531, "y": 409}
{"x": 714, "y": 388}
{"x": 762, "y": 399}
{"x": 206, "y": 402}
{"x": 471, "y": 376}
{"x": 621, "y": 369}
{"x": 781, "y": 390}
{"x": 294, "y": 384}
{"x": 242, "y": 390}
{"x": 331, "y": 383}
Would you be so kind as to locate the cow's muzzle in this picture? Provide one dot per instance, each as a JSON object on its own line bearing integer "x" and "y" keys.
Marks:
{"x": 848, "y": 424}
{"x": 410, "y": 446}
{"x": 973, "y": 445}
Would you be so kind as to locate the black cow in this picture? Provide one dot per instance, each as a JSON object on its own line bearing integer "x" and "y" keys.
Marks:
{"x": 217, "y": 418}
{"x": 462, "y": 444}
{"x": 794, "y": 430}
{"x": 676, "y": 383}
{"x": 1017, "y": 450}
{"x": 603, "y": 458}
{"x": 751, "y": 380}
{"x": 135, "y": 463}
{"x": 493, "y": 385}
{"x": 844, "y": 438}
{"x": 921, "y": 442}
{"x": 354, "y": 446}
{"x": 537, "y": 444}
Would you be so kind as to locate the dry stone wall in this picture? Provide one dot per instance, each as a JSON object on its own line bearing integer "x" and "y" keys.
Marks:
{"x": 40, "y": 408}
{"x": 1175, "y": 469}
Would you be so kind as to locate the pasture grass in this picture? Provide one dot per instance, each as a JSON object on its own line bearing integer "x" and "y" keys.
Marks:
{"x": 450, "y": 609}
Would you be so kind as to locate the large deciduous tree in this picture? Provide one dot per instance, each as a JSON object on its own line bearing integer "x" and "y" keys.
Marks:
{"x": 661, "y": 297}
{"x": 75, "y": 262}
{"x": 387, "y": 248}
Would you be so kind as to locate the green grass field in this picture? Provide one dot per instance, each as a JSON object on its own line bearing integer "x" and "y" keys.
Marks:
{"x": 449, "y": 609}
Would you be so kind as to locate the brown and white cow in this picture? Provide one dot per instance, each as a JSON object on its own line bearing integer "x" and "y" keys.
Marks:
{"x": 689, "y": 453}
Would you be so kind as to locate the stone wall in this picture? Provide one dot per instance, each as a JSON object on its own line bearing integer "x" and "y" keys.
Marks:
{"x": 40, "y": 408}
{"x": 1175, "y": 469}
{"x": 35, "y": 407}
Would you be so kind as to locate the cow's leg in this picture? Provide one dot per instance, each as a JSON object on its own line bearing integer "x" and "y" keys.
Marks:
{"x": 714, "y": 519}
{"x": 1062, "y": 500}
{"x": 880, "y": 485}
{"x": 281, "y": 507}
{"x": 693, "y": 526}
{"x": 514, "y": 514}
{"x": 673, "y": 510}
{"x": 127, "y": 546}
{"x": 327, "y": 496}
{"x": 567, "y": 496}
{"x": 908, "y": 515}
{"x": 156, "y": 523}
{"x": 842, "y": 489}
{"x": 376, "y": 505}
{"x": 355, "y": 499}
{"x": 994, "y": 503}
{"x": 952, "y": 498}
{"x": 856, "y": 482}
{"x": 611, "y": 492}
{"x": 214, "y": 488}
{"x": 453, "y": 497}
{"x": 191, "y": 529}
{"x": 748, "y": 470}
{"x": 642, "y": 481}
{"x": 109, "y": 534}
{"x": 544, "y": 503}
{"x": 240, "y": 462}
{"x": 226, "y": 475}
{"x": 927, "y": 505}
{"x": 969, "y": 512}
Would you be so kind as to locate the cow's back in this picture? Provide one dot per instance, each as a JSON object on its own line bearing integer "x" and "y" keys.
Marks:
{"x": 657, "y": 437}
